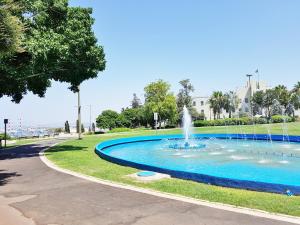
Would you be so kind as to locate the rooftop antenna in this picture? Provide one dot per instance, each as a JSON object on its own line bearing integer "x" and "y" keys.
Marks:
{"x": 249, "y": 77}
{"x": 257, "y": 73}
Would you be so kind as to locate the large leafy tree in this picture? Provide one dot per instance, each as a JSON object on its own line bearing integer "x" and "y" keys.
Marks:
{"x": 58, "y": 44}
{"x": 159, "y": 99}
{"x": 134, "y": 116}
{"x": 108, "y": 119}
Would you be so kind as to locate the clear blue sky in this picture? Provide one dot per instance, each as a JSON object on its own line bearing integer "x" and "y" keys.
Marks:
{"x": 213, "y": 42}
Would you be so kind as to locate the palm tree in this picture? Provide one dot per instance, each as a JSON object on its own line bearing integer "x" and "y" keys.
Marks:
{"x": 216, "y": 102}
{"x": 282, "y": 95}
{"x": 296, "y": 88}
{"x": 294, "y": 102}
{"x": 231, "y": 102}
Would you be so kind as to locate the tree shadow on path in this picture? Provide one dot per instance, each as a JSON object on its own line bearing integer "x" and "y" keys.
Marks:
{"x": 5, "y": 177}
{"x": 28, "y": 151}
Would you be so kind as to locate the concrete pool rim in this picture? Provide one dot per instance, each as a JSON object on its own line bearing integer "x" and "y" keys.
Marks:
{"x": 202, "y": 178}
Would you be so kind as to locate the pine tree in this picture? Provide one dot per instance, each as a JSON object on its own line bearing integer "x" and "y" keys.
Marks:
{"x": 93, "y": 127}
{"x": 67, "y": 127}
{"x": 136, "y": 102}
{"x": 77, "y": 126}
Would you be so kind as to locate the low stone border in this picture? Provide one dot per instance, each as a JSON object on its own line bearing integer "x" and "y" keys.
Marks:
{"x": 100, "y": 150}
{"x": 230, "y": 208}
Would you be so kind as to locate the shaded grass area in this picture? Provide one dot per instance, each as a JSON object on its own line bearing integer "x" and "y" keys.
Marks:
{"x": 20, "y": 142}
{"x": 79, "y": 156}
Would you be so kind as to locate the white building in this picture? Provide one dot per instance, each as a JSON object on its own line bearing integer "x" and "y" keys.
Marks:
{"x": 245, "y": 93}
{"x": 202, "y": 105}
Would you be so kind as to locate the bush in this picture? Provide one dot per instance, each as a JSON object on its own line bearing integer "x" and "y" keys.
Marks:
{"x": 239, "y": 121}
{"x": 201, "y": 123}
{"x": 118, "y": 130}
{"x": 99, "y": 132}
{"x": 7, "y": 136}
{"x": 281, "y": 119}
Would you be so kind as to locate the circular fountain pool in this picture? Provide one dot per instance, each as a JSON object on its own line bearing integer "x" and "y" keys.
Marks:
{"x": 240, "y": 161}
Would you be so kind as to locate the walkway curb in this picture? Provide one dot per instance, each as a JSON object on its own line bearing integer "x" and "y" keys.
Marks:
{"x": 230, "y": 208}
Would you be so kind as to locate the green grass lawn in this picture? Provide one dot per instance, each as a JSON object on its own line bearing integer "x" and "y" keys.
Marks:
{"x": 79, "y": 156}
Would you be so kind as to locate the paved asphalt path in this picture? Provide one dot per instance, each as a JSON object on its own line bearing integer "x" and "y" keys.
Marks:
{"x": 49, "y": 197}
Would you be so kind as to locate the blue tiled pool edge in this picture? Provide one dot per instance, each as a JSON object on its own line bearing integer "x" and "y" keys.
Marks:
{"x": 219, "y": 181}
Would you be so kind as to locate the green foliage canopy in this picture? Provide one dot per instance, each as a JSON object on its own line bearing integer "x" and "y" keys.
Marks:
{"x": 107, "y": 119}
{"x": 11, "y": 28}
{"x": 159, "y": 99}
{"x": 58, "y": 44}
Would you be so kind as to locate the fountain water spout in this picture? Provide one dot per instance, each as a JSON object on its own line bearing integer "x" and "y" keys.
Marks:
{"x": 187, "y": 125}
{"x": 187, "y": 131}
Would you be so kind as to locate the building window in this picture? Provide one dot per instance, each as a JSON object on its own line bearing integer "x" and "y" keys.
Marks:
{"x": 246, "y": 109}
{"x": 194, "y": 103}
{"x": 202, "y": 111}
{"x": 246, "y": 100}
{"x": 202, "y": 102}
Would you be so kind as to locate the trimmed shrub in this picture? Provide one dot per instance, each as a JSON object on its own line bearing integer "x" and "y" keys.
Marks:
{"x": 120, "y": 129}
{"x": 240, "y": 121}
{"x": 281, "y": 119}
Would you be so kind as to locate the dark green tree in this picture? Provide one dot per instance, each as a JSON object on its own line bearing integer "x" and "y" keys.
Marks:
{"x": 107, "y": 119}
{"x": 134, "y": 116}
{"x": 58, "y": 44}
{"x": 93, "y": 128}
{"x": 297, "y": 88}
{"x": 184, "y": 97}
{"x": 67, "y": 127}
{"x": 257, "y": 102}
{"x": 269, "y": 97}
{"x": 136, "y": 102}
{"x": 77, "y": 126}
{"x": 122, "y": 121}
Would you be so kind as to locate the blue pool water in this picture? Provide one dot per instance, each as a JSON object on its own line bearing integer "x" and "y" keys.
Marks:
{"x": 245, "y": 160}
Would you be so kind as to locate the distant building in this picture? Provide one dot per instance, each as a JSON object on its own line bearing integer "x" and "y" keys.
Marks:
{"x": 202, "y": 105}
{"x": 245, "y": 93}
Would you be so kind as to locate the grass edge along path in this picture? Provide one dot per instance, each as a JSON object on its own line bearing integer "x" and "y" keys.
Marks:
{"x": 79, "y": 156}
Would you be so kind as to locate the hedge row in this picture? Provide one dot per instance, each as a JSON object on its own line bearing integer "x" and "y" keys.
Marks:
{"x": 242, "y": 121}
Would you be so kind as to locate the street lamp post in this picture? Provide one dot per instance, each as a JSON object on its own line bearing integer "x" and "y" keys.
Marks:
{"x": 5, "y": 131}
{"x": 79, "y": 114}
